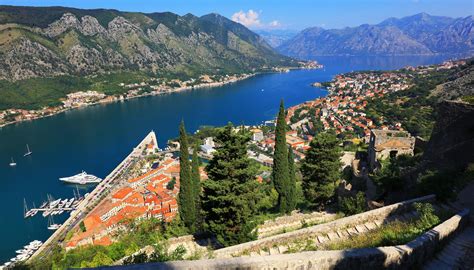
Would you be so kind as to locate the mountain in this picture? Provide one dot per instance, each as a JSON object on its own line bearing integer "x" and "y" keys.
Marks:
{"x": 276, "y": 37}
{"x": 420, "y": 34}
{"x": 53, "y": 41}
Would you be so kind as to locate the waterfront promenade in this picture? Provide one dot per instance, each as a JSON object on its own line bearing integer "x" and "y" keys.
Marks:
{"x": 93, "y": 198}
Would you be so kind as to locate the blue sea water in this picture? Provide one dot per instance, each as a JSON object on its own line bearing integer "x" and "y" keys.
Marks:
{"x": 97, "y": 138}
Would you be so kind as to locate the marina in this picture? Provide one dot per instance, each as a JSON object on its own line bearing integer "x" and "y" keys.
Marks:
{"x": 23, "y": 254}
{"x": 53, "y": 207}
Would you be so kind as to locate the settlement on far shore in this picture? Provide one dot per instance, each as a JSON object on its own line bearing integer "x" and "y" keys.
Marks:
{"x": 155, "y": 86}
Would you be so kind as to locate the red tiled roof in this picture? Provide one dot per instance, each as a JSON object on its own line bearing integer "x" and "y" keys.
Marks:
{"x": 122, "y": 193}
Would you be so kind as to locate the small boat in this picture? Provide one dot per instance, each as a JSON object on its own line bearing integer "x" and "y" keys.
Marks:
{"x": 13, "y": 163}
{"x": 55, "y": 203}
{"x": 51, "y": 225}
{"x": 20, "y": 251}
{"x": 28, "y": 151}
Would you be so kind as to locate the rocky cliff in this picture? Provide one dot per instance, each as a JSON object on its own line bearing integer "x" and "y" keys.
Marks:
{"x": 52, "y": 41}
{"x": 452, "y": 141}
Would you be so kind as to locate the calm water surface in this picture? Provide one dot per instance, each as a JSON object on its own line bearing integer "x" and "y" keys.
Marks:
{"x": 97, "y": 138}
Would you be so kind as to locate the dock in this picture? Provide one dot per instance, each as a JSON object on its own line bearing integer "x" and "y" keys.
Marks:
{"x": 85, "y": 206}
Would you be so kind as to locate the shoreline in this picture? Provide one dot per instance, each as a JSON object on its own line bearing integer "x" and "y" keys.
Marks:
{"x": 153, "y": 93}
{"x": 82, "y": 209}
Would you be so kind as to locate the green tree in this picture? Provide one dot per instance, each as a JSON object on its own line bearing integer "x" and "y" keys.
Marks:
{"x": 170, "y": 185}
{"x": 320, "y": 168}
{"x": 196, "y": 181}
{"x": 280, "y": 174}
{"x": 187, "y": 208}
{"x": 229, "y": 201}
{"x": 292, "y": 193}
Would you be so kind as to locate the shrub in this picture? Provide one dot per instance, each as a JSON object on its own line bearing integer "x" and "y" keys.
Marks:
{"x": 352, "y": 205}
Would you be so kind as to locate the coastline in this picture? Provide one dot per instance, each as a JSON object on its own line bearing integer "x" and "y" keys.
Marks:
{"x": 172, "y": 90}
{"x": 153, "y": 93}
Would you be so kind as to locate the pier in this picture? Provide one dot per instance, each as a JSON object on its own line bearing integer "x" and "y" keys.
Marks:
{"x": 94, "y": 197}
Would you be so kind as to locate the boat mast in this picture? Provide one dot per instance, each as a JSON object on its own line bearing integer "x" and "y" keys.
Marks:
{"x": 25, "y": 207}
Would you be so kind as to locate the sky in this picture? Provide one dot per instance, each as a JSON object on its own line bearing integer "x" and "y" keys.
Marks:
{"x": 279, "y": 14}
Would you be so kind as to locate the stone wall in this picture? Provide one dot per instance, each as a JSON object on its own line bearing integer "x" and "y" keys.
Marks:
{"x": 380, "y": 213}
{"x": 409, "y": 256}
{"x": 293, "y": 222}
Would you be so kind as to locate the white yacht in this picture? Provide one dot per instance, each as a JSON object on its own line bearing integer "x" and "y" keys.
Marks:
{"x": 28, "y": 151}
{"x": 13, "y": 163}
{"x": 81, "y": 178}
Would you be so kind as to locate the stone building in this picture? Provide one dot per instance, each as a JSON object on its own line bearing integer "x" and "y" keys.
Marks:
{"x": 384, "y": 144}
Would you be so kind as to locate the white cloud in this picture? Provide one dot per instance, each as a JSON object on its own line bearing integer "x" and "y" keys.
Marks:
{"x": 249, "y": 18}
{"x": 274, "y": 24}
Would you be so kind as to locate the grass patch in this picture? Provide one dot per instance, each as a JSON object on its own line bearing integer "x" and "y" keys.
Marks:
{"x": 394, "y": 233}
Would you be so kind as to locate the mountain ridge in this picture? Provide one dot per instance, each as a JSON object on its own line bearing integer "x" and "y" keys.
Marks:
{"x": 419, "y": 34}
{"x": 54, "y": 41}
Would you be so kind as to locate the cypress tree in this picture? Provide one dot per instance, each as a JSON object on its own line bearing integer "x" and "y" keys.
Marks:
{"x": 280, "y": 174}
{"x": 321, "y": 168}
{"x": 186, "y": 199}
{"x": 196, "y": 181}
{"x": 292, "y": 200}
{"x": 229, "y": 198}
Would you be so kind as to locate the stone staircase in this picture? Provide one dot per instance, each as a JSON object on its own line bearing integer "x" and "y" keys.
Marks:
{"x": 293, "y": 222}
{"x": 454, "y": 254}
{"x": 318, "y": 240}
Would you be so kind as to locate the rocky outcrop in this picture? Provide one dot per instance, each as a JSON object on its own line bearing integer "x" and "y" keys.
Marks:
{"x": 452, "y": 141}
{"x": 30, "y": 59}
{"x": 460, "y": 84}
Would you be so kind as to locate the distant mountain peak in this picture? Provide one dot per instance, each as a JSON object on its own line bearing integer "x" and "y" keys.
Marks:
{"x": 418, "y": 34}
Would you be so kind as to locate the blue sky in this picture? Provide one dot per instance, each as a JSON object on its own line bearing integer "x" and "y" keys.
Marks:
{"x": 285, "y": 14}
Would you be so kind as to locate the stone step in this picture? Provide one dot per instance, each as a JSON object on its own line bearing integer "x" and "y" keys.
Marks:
{"x": 282, "y": 249}
{"x": 352, "y": 231}
{"x": 274, "y": 251}
{"x": 437, "y": 265}
{"x": 333, "y": 236}
{"x": 360, "y": 228}
{"x": 370, "y": 226}
{"x": 343, "y": 234}
{"x": 322, "y": 239}
{"x": 378, "y": 222}
{"x": 449, "y": 260}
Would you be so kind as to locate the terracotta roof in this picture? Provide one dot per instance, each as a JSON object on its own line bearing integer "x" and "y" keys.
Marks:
{"x": 104, "y": 241}
{"x": 392, "y": 144}
{"x": 135, "y": 198}
{"x": 122, "y": 193}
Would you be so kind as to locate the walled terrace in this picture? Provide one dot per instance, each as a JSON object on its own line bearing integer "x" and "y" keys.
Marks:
{"x": 270, "y": 253}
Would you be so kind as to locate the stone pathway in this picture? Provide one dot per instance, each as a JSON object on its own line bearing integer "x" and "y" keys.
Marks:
{"x": 317, "y": 240}
{"x": 458, "y": 254}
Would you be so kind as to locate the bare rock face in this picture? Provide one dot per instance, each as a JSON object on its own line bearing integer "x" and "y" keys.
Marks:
{"x": 30, "y": 59}
{"x": 452, "y": 142}
{"x": 67, "y": 21}
{"x": 120, "y": 28}
{"x": 90, "y": 26}
{"x": 79, "y": 43}
{"x": 85, "y": 60}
